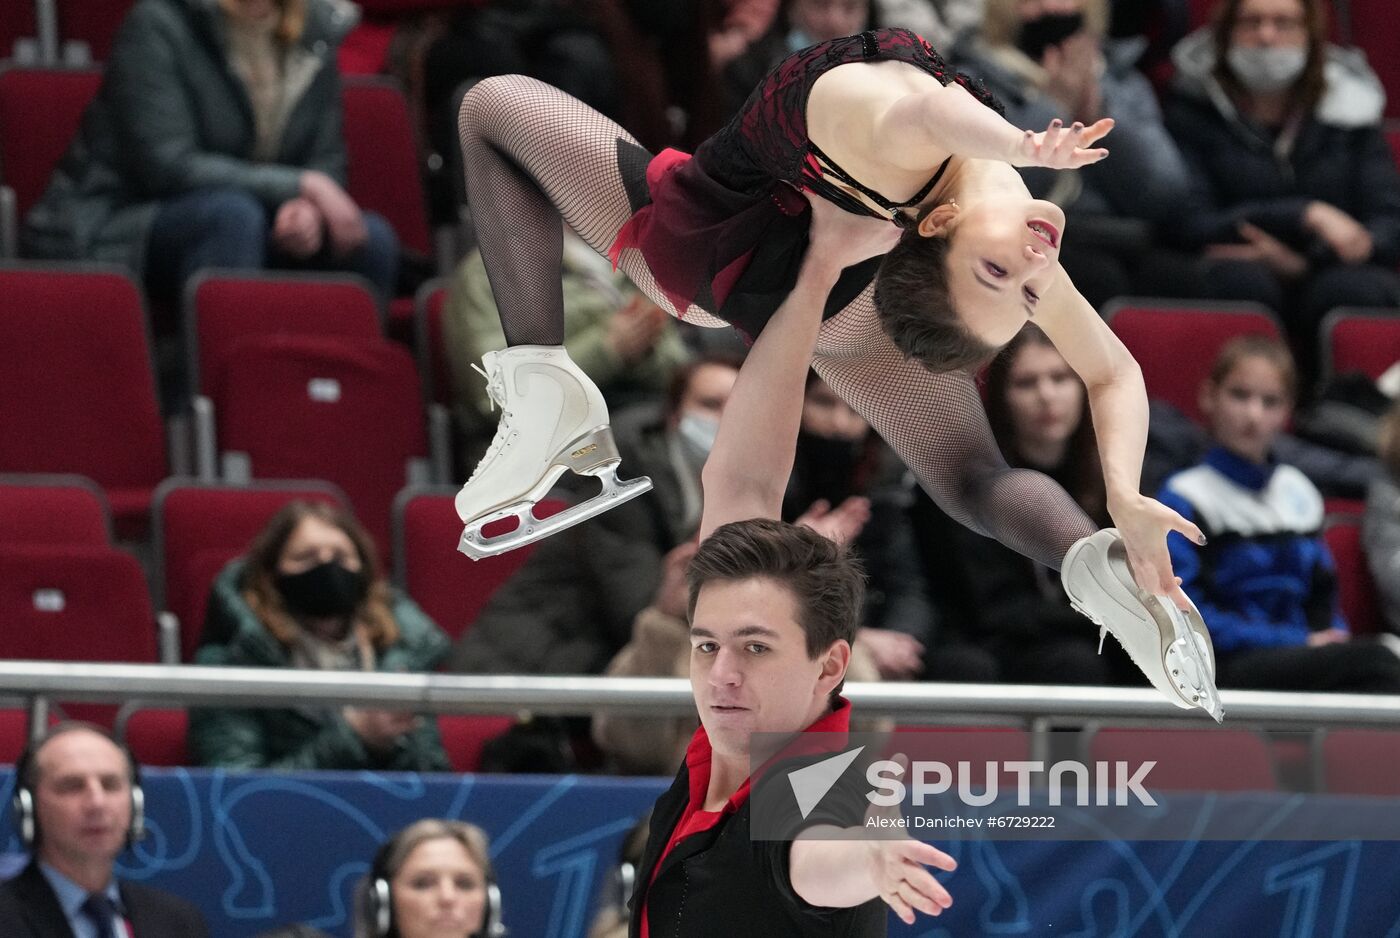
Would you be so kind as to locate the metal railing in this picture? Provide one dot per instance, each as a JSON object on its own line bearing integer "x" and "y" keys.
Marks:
{"x": 184, "y": 685}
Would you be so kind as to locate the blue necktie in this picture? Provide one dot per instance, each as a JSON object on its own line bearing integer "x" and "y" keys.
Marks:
{"x": 100, "y": 911}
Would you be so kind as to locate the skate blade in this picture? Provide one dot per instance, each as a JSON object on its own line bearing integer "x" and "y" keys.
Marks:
{"x": 531, "y": 529}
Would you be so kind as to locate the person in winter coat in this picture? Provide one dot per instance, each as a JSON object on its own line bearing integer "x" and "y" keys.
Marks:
{"x": 1380, "y": 527}
{"x": 1296, "y": 197}
{"x": 309, "y": 594}
{"x": 215, "y": 141}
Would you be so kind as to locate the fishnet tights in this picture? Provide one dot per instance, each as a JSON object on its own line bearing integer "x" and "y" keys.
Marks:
{"x": 534, "y": 154}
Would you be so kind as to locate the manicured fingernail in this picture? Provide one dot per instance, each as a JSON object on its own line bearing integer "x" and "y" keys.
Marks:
{"x": 1056, "y": 122}
{"x": 1077, "y": 127}
{"x": 1201, "y": 540}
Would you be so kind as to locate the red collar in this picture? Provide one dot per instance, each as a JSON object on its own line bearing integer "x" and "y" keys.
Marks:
{"x": 699, "y": 754}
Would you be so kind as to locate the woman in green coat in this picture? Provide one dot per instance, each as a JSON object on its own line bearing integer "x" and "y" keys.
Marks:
{"x": 309, "y": 594}
{"x": 215, "y": 141}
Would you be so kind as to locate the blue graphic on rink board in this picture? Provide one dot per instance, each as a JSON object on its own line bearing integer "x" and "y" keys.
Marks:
{"x": 255, "y": 850}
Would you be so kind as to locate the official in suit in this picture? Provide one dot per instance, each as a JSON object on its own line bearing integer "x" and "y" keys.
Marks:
{"x": 78, "y": 804}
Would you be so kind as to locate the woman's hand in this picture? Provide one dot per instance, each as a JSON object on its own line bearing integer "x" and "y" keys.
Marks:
{"x": 1347, "y": 237}
{"x": 345, "y": 223}
{"x": 297, "y": 229}
{"x": 1057, "y": 148}
{"x": 1262, "y": 248}
{"x": 841, "y": 239}
{"x": 1144, "y": 524}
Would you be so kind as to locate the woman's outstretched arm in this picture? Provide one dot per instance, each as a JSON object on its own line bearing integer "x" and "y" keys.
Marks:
{"x": 1118, "y": 403}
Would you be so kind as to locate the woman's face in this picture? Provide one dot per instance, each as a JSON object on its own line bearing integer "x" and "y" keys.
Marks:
{"x": 439, "y": 892}
{"x": 1248, "y": 409}
{"x": 1270, "y": 24}
{"x": 827, "y": 416}
{"x": 314, "y": 542}
{"x": 1043, "y": 397}
{"x": 1001, "y": 260}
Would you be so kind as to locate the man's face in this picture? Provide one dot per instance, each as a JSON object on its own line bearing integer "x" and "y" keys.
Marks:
{"x": 749, "y": 668}
{"x": 82, "y": 799}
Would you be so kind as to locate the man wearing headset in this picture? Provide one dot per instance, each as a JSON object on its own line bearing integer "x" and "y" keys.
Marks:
{"x": 78, "y": 804}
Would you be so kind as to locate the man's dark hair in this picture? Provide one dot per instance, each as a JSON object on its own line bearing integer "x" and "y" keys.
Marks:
{"x": 916, "y": 310}
{"x": 826, "y": 581}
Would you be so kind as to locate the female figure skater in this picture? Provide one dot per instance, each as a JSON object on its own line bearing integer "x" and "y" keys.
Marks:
{"x": 879, "y": 126}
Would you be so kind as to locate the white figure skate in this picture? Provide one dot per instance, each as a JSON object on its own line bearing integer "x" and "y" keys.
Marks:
{"x": 553, "y": 418}
{"x": 1172, "y": 647}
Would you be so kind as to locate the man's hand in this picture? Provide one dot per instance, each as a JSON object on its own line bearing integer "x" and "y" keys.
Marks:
{"x": 635, "y": 328}
{"x": 1262, "y": 247}
{"x": 1327, "y": 637}
{"x": 297, "y": 228}
{"x": 673, "y": 595}
{"x": 841, "y": 239}
{"x": 345, "y": 223}
{"x": 898, "y": 657}
{"x": 841, "y": 524}
{"x": 1144, "y": 524}
{"x": 1344, "y": 234}
{"x": 1057, "y": 148}
{"x": 897, "y": 867}
{"x": 380, "y": 730}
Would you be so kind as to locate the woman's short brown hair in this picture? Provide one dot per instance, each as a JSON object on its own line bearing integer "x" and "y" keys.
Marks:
{"x": 1266, "y": 347}
{"x": 916, "y": 310}
{"x": 259, "y": 580}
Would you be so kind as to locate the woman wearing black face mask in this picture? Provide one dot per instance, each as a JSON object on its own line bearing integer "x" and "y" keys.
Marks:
{"x": 309, "y": 594}
{"x": 1296, "y": 197}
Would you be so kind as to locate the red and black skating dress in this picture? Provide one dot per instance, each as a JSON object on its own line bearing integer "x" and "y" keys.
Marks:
{"x": 726, "y": 229}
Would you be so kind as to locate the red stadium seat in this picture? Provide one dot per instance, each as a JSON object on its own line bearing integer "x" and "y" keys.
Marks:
{"x": 429, "y": 342}
{"x": 200, "y": 527}
{"x": 1191, "y": 760}
{"x": 40, "y": 110}
{"x": 17, "y": 21}
{"x": 1157, "y": 332}
{"x": 1357, "y": 589}
{"x": 347, "y": 411}
{"x": 74, "y": 603}
{"x": 384, "y": 173}
{"x": 975, "y": 745}
{"x": 77, "y": 388}
{"x": 155, "y": 736}
{"x": 93, "y": 22}
{"x": 14, "y": 734}
{"x": 1361, "y": 762}
{"x": 451, "y": 589}
{"x": 464, "y": 737}
{"x": 1364, "y": 340}
{"x": 1392, "y": 135}
{"x": 56, "y": 509}
{"x": 224, "y": 305}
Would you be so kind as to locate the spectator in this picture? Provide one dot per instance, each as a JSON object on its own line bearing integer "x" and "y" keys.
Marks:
{"x": 1264, "y": 582}
{"x": 433, "y": 879}
{"x": 1296, "y": 195}
{"x": 571, "y": 606}
{"x": 628, "y": 345}
{"x": 1049, "y": 59}
{"x": 1381, "y": 525}
{"x": 611, "y": 920}
{"x": 1005, "y": 605}
{"x": 78, "y": 806}
{"x": 215, "y": 141}
{"x": 309, "y": 594}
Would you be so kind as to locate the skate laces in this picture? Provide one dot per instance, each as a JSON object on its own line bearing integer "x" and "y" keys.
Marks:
{"x": 496, "y": 390}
